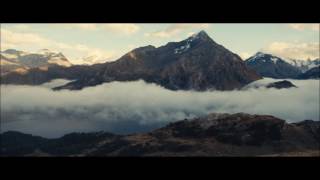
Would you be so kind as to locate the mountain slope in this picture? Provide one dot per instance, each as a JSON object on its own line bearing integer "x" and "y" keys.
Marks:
{"x": 196, "y": 63}
{"x": 313, "y": 73}
{"x": 213, "y": 135}
{"x": 268, "y": 65}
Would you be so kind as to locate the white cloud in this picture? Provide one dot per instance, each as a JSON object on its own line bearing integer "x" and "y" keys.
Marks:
{"x": 74, "y": 52}
{"x": 127, "y": 29}
{"x": 86, "y": 26}
{"x": 301, "y": 27}
{"x": 295, "y": 50}
{"x": 245, "y": 55}
{"x": 137, "y": 106}
{"x": 191, "y": 33}
{"x": 10, "y": 39}
{"x": 176, "y": 29}
{"x": 82, "y": 26}
{"x": 22, "y": 27}
{"x": 123, "y": 28}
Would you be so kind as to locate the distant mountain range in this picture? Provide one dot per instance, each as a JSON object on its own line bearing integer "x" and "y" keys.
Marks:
{"x": 213, "y": 135}
{"x": 196, "y": 63}
{"x": 268, "y": 65}
{"x": 21, "y": 62}
{"x": 303, "y": 65}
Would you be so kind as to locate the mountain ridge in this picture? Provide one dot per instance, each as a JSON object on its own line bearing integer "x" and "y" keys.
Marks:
{"x": 268, "y": 65}
{"x": 196, "y": 63}
{"x": 216, "y": 134}
{"x": 177, "y": 65}
{"x": 13, "y": 60}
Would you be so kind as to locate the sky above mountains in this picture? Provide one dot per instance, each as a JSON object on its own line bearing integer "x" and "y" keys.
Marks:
{"x": 107, "y": 42}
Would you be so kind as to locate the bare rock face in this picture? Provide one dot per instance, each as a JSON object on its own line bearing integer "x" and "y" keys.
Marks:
{"x": 213, "y": 135}
{"x": 197, "y": 63}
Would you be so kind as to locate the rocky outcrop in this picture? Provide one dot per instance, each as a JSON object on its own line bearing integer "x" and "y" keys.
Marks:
{"x": 281, "y": 85}
{"x": 213, "y": 135}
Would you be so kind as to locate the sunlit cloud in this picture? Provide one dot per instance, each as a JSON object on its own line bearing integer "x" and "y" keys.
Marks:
{"x": 245, "y": 55}
{"x": 84, "y": 26}
{"x": 295, "y": 50}
{"x": 124, "y": 28}
{"x": 175, "y": 29}
{"x": 127, "y": 29}
{"x": 301, "y": 27}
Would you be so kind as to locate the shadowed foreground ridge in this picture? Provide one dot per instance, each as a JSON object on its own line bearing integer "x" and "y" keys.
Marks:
{"x": 213, "y": 135}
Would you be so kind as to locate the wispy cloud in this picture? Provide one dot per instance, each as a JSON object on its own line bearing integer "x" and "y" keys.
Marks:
{"x": 301, "y": 27}
{"x": 127, "y": 29}
{"x": 10, "y": 39}
{"x": 119, "y": 28}
{"x": 295, "y": 50}
{"x": 245, "y": 55}
{"x": 83, "y": 26}
{"x": 176, "y": 29}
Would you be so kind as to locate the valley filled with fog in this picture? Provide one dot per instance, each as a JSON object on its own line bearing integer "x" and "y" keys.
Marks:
{"x": 127, "y": 107}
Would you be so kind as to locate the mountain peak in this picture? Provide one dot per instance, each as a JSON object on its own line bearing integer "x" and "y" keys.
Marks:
{"x": 201, "y": 34}
{"x": 269, "y": 65}
{"x": 259, "y": 53}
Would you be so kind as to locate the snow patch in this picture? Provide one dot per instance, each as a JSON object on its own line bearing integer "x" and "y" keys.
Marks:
{"x": 10, "y": 56}
{"x": 183, "y": 48}
{"x": 274, "y": 59}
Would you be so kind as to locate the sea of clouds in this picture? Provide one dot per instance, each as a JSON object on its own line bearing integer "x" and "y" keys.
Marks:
{"x": 127, "y": 107}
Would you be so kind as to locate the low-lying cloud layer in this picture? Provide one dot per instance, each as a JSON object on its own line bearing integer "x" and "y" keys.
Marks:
{"x": 126, "y": 107}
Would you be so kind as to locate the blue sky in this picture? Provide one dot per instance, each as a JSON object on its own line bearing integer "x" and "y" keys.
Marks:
{"x": 109, "y": 41}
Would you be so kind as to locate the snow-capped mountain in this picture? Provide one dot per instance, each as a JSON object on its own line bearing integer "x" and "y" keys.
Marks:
{"x": 304, "y": 65}
{"x": 14, "y": 60}
{"x": 187, "y": 45}
{"x": 196, "y": 63}
{"x": 268, "y": 65}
